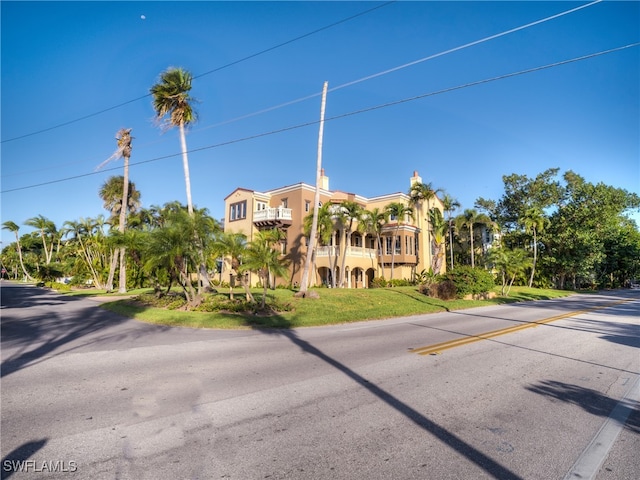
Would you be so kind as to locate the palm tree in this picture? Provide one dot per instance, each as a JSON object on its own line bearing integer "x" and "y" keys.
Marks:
{"x": 316, "y": 200}
{"x": 349, "y": 213}
{"x": 113, "y": 198}
{"x": 324, "y": 235}
{"x": 124, "y": 138}
{"x": 171, "y": 248}
{"x": 373, "y": 222}
{"x": 449, "y": 205}
{"x": 234, "y": 245}
{"x": 439, "y": 232}
{"x": 13, "y": 227}
{"x": 46, "y": 229}
{"x": 509, "y": 264}
{"x": 468, "y": 219}
{"x": 263, "y": 258}
{"x": 420, "y": 193}
{"x": 535, "y": 222}
{"x": 400, "y": 211}
{"x": 171, "y": 99}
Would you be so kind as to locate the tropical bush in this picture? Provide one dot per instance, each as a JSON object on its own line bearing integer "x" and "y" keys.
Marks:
{"x": 468, "y": 280}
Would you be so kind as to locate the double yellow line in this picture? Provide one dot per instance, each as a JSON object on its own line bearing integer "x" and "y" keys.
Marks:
{"x": 437, "y": 348}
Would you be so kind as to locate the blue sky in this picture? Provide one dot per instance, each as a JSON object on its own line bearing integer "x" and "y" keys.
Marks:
{"x": 62, "y": 61}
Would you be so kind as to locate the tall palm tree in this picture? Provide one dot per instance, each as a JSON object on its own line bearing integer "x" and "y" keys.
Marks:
{"x": 439, "y": 233}
{"x": 468, "y": 219}
{"x": 234, "y": 245}
{"x": 324, "y": 235}
{"x": 263, "y": 257}
{"x": 400, "y": 211}
{"x": 304, "y": 282}
{"x": 47, "y": 230}
{"x": 172, "y": 104}
{"x": 373, "y": 222}
{"x": 113, "y": 198}
{"x": 123, "y": 138}
{"x": 449, "y": 205}
{"x": 350, "y": 213}
{"x": 535, "y": 222}
{"x": 78, "y": 231}
{"x": 13, "y": 227}
{"x": 171, "y": 248}
{"x": 419, "y": 194}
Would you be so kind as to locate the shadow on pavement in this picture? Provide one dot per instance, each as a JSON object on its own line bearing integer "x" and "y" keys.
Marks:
{"x": 474, "y": 455}
{"x": 14, "y": 460}
{"x": 589, "y": 400}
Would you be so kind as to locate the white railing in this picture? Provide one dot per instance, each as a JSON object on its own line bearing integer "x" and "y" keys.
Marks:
{"x": 272, "y": 213}
{"x": 359, "y": 252}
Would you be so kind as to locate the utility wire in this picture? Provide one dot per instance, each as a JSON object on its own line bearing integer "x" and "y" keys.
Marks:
{"x": 344, "y": 115}
{"x": 400, "y": 67}
{"x": 235, "y": 62}
{"x": 353, "y": 82}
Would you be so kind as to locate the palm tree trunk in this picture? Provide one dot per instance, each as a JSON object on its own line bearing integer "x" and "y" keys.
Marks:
{"x": 122, "y": 287}
{"x": 185, "y": 165}
{"x": 332, "y": 259}
{"x": 471, "y": 239}
{"x": 316, "y": 198}
{"x": 26, "y": 274}
{"x": 112, "y": 269}
{"x": 123, "y": 272}
{"x": 450, "y": 243}
{"x": 343, "y": 263}
{"x": 535, "y": 254}
{"x": 393, "y": 254}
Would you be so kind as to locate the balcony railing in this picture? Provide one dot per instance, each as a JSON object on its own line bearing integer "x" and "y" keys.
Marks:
{"x": 358, "y": 252}
{"x": 272, "y": 213}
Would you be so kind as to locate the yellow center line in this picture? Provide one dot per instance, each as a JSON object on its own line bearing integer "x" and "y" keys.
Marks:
{"x": 439, "y": 347}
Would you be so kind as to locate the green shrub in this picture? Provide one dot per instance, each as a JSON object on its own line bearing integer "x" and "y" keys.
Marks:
{"x": 170, "y": 301}
{"x": 399, "y": 282}
{"x": 445, "y": 290}
{"x": 60, "y": 287}
{"x": 378, "y": 282}
{"x": 469, "y": 280}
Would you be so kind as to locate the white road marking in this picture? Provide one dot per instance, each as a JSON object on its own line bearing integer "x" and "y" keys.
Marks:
{"x": 588, "y": 464}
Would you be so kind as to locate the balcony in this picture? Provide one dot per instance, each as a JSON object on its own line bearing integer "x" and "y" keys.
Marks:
{"x": 278, "y": 217}
{"x": 357, "y": 252}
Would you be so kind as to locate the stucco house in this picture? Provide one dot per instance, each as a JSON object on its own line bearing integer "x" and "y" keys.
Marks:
{"x": 249, "y": 211}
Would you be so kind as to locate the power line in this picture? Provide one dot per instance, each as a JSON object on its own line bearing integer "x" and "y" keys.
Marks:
{"x": 344, "y": 115}
{"x": 248, "y": 57}
{"x": 400, "y": 67}
{"x": 353, "y": 82}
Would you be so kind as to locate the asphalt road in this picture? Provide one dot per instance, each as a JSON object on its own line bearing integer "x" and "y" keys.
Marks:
{"x": 551, "y": 392}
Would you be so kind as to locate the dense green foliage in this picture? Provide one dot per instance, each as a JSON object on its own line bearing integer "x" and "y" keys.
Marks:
{"x": 469, "y": 280}
{"x": 545, "y": 231}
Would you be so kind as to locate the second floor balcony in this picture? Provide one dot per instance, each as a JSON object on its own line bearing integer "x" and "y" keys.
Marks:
{"x": 272, "y": 217}
{"x": 358, "y": 252}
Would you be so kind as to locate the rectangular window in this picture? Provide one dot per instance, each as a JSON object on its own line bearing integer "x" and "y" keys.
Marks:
{"x": 398, "y": 245}
{"x": 307, "y": 205}
{"x": 285, "y": 202}
{"x": 261, "y": 206}
{"x": 238, "y": 211}
{"x": 387, "y": 245}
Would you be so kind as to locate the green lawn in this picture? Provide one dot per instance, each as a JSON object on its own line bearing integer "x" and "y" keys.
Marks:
{"x": 334, "y": 306}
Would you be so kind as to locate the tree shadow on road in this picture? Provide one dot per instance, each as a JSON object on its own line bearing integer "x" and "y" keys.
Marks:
{"x": 592, "y": 401}
{"x": 48, "y": 327}
{"x": 474, "y": 455}
{"x": 14, "y": 460}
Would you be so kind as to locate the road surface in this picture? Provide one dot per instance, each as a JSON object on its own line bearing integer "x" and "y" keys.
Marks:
{"x": 535, "y": 390}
